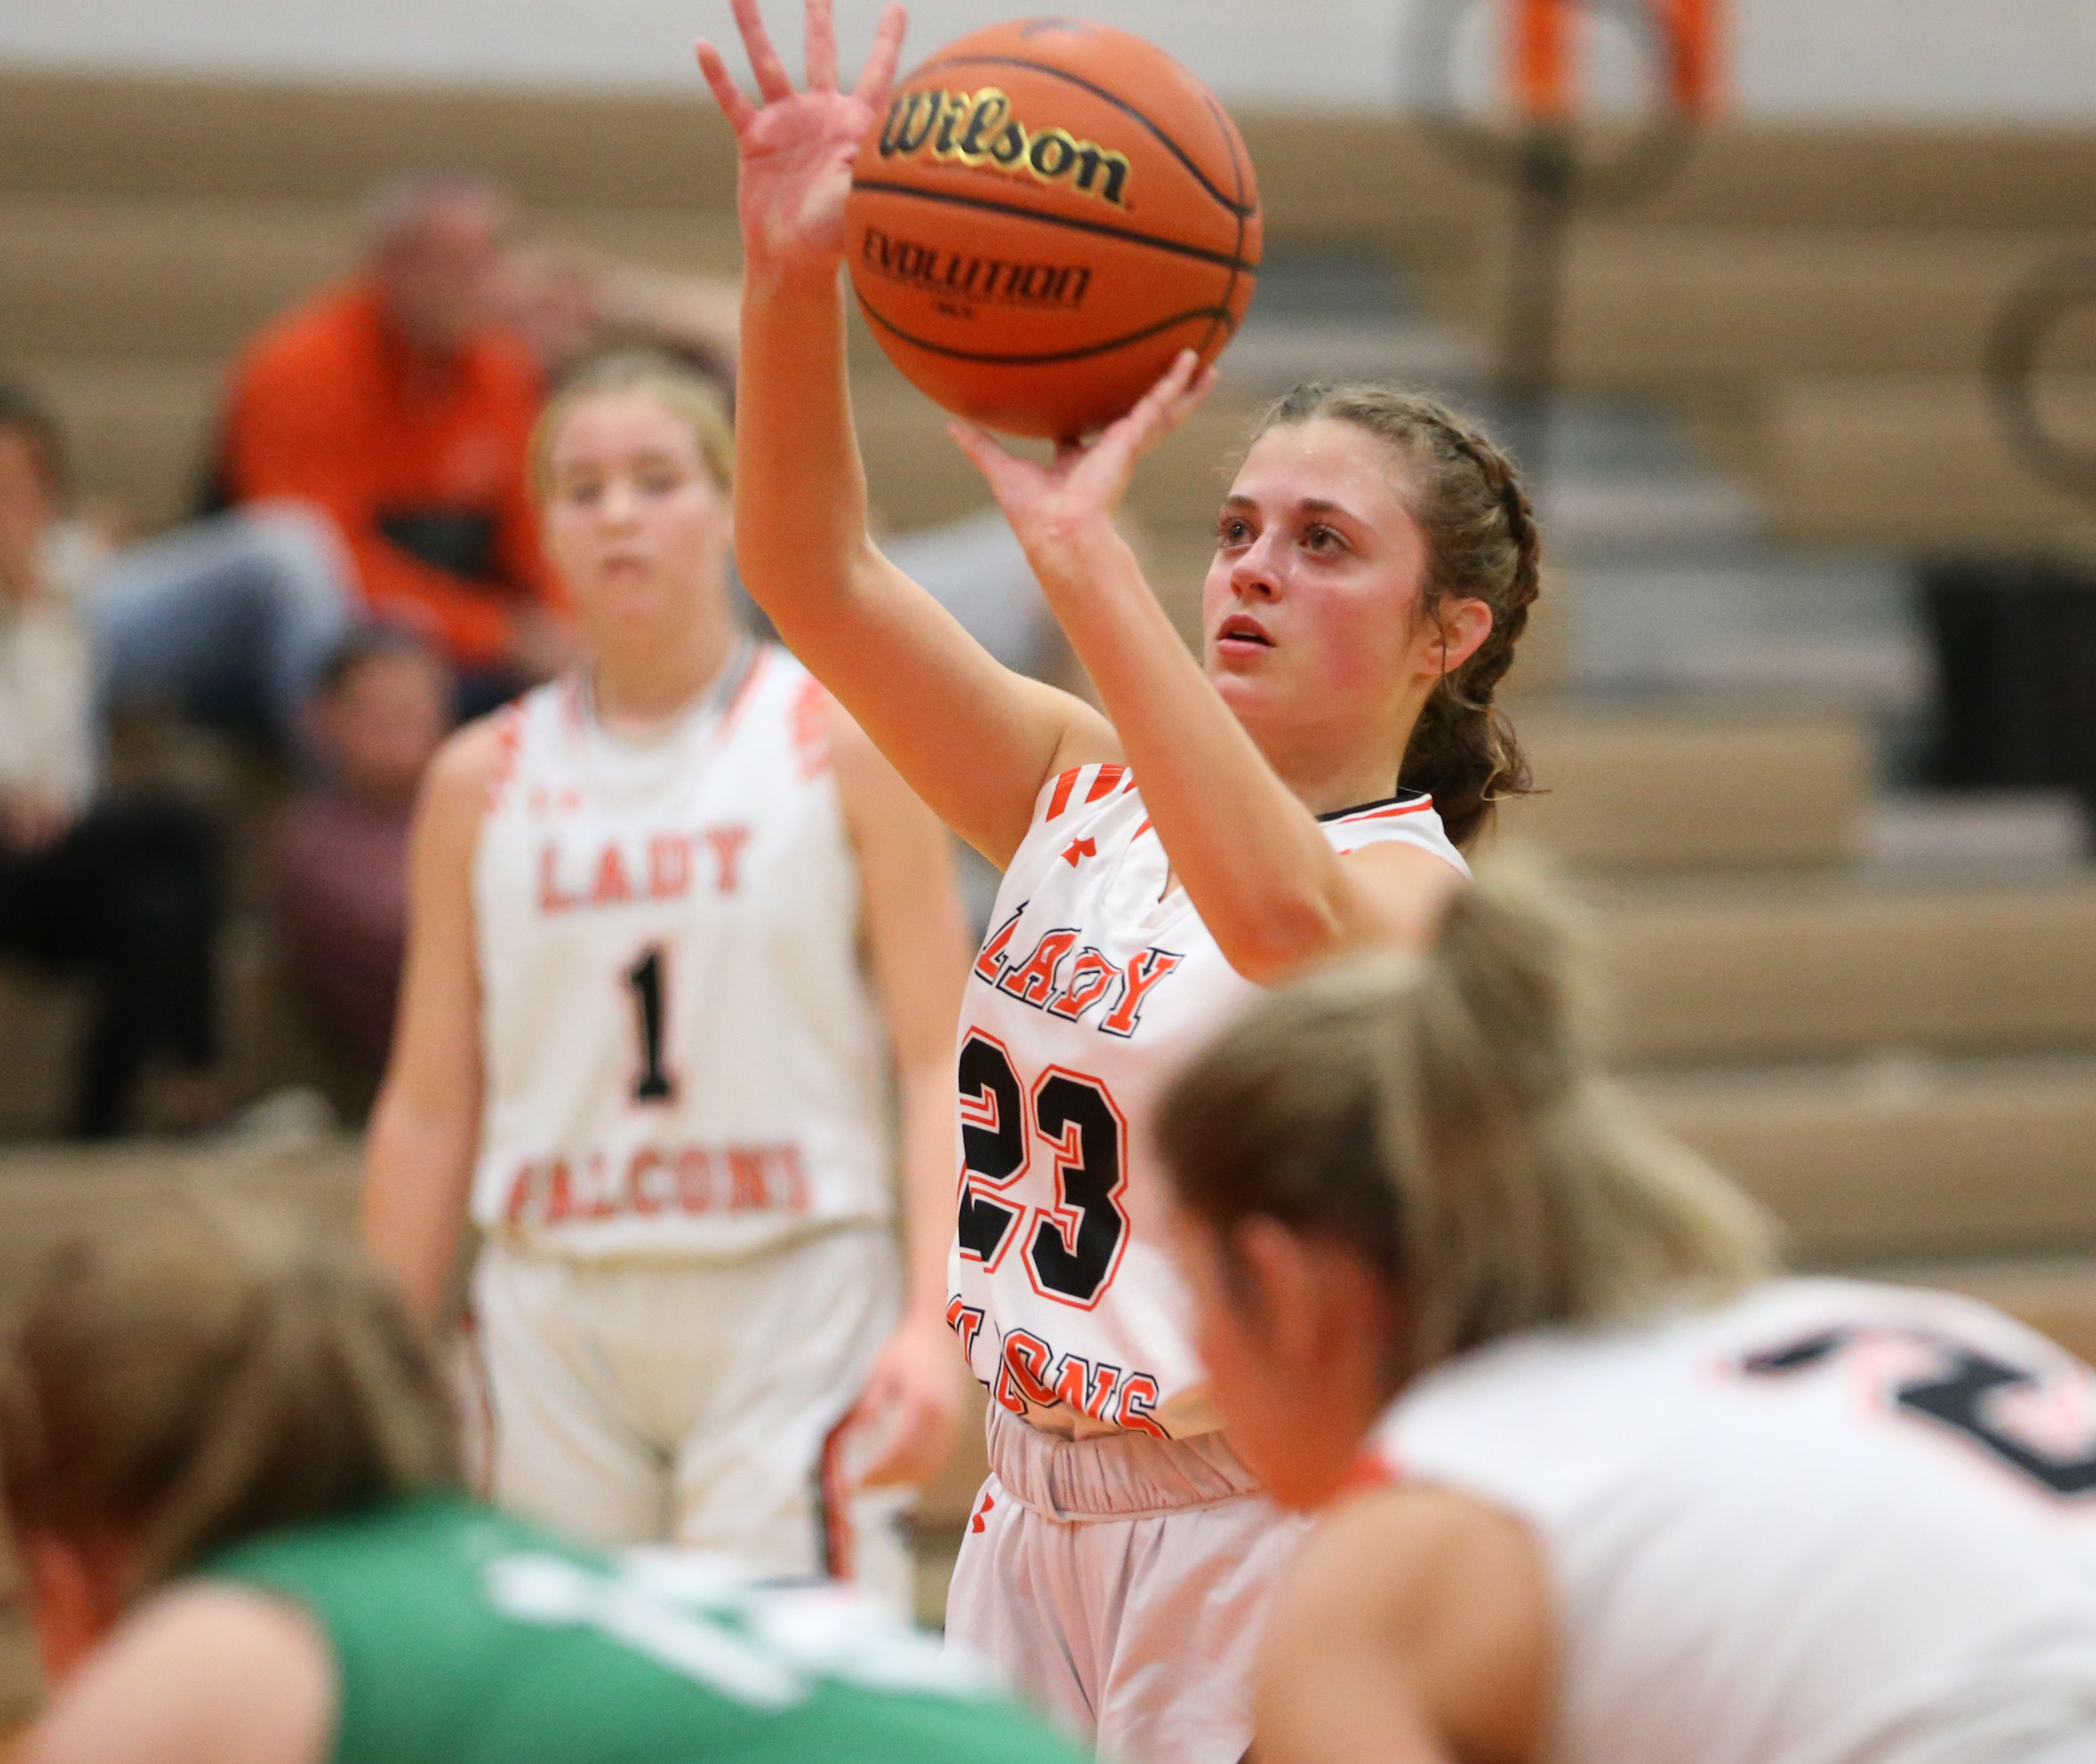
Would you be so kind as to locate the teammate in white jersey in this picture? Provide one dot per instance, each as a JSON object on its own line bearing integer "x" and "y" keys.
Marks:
{"x": 1216, "y": 829}
{"x": 1626, "y": 1498}
{"x": 674, "y": 917}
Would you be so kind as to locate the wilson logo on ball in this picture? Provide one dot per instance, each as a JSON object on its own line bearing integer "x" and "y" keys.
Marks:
{"x": 978, "y": 128}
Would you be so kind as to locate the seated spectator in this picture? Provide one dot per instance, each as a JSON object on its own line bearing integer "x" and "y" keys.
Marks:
{"x": 397, "y": 404}
{"x": 224, "y": 621}
{"x": 568, "y": 303}
{"x": 126, "y": 893}
{"x": 384, "y": 704}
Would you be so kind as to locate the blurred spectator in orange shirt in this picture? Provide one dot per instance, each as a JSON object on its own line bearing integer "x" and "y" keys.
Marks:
{"x": 398, "y": 405}
{"x": 382, "y": 707}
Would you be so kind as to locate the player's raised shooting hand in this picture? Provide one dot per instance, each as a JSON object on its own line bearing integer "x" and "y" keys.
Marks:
{"x": 797, "y": 148}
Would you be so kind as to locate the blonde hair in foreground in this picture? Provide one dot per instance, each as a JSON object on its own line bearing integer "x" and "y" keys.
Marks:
{"x": 207, "y": 1377}
{"x": 690, "y": 396}
{"x": 1445, "y": 1116}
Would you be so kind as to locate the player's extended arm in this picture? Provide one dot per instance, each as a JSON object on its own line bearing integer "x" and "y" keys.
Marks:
{"x": 1268, "y": 885}
{"x": 418, "y": 1163}
{"x": 918, "y": 941}
{"x": 1414, "y": 1628}
{"x": 976, "y": 740}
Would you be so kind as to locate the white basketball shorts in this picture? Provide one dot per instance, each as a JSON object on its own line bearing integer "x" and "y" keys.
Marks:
{"x": 697, "y": 1403}
{"x": 1120, "y": 1584}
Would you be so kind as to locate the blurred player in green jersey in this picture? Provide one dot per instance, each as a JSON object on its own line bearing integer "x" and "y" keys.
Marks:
{"x": 230, "y": 1470}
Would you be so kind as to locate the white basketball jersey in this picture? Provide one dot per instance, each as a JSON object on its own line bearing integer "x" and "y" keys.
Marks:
{"x": 681, "y": 1054}
{"x": 1093, "y": 985}
{"x": 1827, "y": 1521}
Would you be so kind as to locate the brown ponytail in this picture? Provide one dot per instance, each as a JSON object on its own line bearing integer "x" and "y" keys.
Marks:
{"x": 1482, "y": 545}
{"x": 196, "y": 1383}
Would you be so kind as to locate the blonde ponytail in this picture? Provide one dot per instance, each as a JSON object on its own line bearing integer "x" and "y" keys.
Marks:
{"x": 1444, "y": 1114}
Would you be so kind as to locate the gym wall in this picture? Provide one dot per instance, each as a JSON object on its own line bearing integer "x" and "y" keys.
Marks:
{"x": 1922, "y": 60}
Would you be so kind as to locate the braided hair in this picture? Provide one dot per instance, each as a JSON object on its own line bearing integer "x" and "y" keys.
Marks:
{"x": 1482, "y": 544}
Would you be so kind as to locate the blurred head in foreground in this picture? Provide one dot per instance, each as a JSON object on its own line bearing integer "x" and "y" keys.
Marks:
{"x": 246, "y": 1427}
{"x": 193, "y": 1383}
{"x": 436, "y": 248}
{"x": 1393, "y": 1163}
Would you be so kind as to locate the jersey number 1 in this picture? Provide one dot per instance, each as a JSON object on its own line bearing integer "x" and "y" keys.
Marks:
{"x": 646, "y": 980}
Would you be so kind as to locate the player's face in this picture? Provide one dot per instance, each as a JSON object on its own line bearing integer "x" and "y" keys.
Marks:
{"x": 1293, "y": 1332}
{"x": 635, "y": 522}
{"x": 1312, "y": 613}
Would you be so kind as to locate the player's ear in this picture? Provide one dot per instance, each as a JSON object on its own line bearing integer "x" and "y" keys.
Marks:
{"x": 1326, "y": 1313}
{"x": 1281, "y": 1269}
{"x": 73, "y": 1598}
{"x": 1459, "y": 629}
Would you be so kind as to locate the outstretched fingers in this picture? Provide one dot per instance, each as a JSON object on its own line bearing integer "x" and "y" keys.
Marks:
{"x": 882, "y": 60}
{"x": 1167, "y": 405}
{"x": 822, "y": 46}
{"x": 772, "y": 80}
{"x": 740, "y": 112}
{"x": 984, "y": 451}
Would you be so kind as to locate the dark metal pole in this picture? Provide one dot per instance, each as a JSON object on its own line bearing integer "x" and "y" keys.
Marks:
{"x": 1526, "y": 381}
{"x": 1542, "y": 166}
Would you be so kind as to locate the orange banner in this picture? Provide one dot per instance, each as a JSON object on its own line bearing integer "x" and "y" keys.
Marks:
{"x": 1694, "y": 72}
{"x": 1543, "y": 57}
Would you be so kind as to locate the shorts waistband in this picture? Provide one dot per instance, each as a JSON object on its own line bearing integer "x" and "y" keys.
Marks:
{"x": 1113, "y": 1476}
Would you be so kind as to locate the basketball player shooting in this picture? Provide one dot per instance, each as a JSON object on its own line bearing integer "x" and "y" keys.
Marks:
{"x": 1375, "y": 559}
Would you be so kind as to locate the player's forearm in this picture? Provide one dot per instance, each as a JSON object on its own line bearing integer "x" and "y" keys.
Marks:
{"x": 928, "y": 1190}
{"x": 418, "y": 1168}
{"x": 800, "y": 492}
{"x": 1266, "y": 884}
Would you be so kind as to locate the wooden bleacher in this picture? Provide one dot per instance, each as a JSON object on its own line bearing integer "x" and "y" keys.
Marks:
{"x": 1919, "y": 459}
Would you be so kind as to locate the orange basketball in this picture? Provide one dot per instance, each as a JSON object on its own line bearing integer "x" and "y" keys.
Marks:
{"x": 1048, "y": 213}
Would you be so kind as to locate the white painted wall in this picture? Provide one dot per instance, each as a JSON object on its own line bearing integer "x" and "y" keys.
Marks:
{"x": 1950, "y": 60}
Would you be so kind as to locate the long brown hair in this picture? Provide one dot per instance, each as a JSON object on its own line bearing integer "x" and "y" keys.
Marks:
{"x": 214, "y": 1375}
{"x": 1444, "y": 1116}
{"x": 1481, "y": 545}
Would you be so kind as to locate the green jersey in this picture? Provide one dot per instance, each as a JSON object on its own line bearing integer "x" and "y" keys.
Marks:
{"x": 461, "y": 1635}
